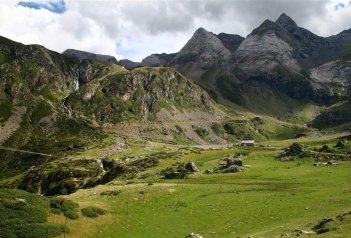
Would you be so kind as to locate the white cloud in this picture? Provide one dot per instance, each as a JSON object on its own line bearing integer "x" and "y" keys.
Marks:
{"x": 135, "y": 29}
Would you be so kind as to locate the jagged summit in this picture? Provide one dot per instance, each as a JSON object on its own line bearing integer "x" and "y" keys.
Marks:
{"x": 203, "y": 47}
{"x": 268, "y": 25}
{"x": 286, "y": 22}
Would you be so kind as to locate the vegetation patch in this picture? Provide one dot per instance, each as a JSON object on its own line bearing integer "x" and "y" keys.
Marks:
{"x": 68, "y": 207}
{"x": 5, "y": 111}
{"x": 92, "y": 211}
{"x": 202, "y": 132}
{"x": 43, "y": 109}
{"x": 24, "y": 215}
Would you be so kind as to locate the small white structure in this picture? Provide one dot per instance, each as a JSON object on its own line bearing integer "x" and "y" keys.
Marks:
{"x": 247, "y": 141}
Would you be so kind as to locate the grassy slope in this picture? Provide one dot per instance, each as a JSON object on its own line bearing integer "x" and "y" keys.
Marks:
{"x": 268, "y": 199}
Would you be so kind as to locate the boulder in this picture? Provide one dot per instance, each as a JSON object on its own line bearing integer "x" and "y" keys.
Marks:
{"x": 341, "y": 144}
{"x": 297, "y": 148}
{"x": 325, "y": 148}
{"x": 332, "y": 163}
{"x": 304, "y": 232}
{"x": 234, "y": 161}
{"x": 191, "y": 166}
{"x": 193, "y": 235}
{"x": 233, "y": 169}
{"x": 319, "y": 164}
{"x": 209, "y": 171}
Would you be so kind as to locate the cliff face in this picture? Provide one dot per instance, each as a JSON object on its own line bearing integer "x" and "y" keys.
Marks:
{"x": 138, "y": 94}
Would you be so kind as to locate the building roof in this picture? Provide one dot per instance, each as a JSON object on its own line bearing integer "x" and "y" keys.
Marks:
{"x": 248, "y": 137}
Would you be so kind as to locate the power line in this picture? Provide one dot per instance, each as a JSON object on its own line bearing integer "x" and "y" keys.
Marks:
{"x": 25, "y": 151}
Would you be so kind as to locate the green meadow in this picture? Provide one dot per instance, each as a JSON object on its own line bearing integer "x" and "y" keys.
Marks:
{"x": 268, "y": 199}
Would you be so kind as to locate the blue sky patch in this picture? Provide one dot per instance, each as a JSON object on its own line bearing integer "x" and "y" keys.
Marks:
{"x": 58, "y": 7}
{"x": 339, "y": 6}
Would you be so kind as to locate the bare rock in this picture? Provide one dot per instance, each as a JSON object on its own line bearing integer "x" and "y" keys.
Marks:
{"x": 193, "y": 235}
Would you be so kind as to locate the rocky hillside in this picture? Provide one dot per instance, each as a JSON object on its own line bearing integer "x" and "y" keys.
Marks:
{"x": 138, "y": 94}
{"x": 56, "y": 104}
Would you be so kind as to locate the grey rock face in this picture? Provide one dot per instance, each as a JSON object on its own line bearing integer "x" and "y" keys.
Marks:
{"x": 335, "y": 75}
{"x": 82, "y": 55}
{"x": 203, "y": 47}
{"x": 286, "y": 22}
{"x": 230, "y": 41}
{"x": 266, "y": 47}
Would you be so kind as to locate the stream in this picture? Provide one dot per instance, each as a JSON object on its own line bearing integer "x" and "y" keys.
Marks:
{"x": 76, "y": 87}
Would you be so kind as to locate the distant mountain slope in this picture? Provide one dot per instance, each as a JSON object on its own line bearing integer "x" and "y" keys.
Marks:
{"x": 83, "y": 55}
{"x": 157, "y": 60}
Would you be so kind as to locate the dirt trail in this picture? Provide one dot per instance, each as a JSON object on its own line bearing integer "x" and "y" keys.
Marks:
{"x": 12, "y": 124}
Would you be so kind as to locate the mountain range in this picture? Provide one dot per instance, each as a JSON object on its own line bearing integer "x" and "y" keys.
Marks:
{"x": 281, "y": 60}
{"x": 278, "y": 82}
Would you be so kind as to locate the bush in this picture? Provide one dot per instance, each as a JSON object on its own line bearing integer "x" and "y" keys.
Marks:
{"x": 63, "y": 204}
{"x": 202, "y": 132}
{"x": 92, "y": 211}
{"x": 229, "y": 129}
{"x": 217, "y": 128}
{"x": 110, "y": 193}
{"x": 56, "y": 211}
{"x": 71, "y": 215}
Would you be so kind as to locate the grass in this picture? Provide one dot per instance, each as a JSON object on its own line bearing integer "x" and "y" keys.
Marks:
{"x": 266, "y": 200}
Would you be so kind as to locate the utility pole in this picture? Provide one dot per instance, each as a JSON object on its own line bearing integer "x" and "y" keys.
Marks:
{"x": 64, "y": 234}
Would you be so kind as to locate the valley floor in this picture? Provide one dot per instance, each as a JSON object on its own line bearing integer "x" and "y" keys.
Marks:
{"x": 268, "y": 199}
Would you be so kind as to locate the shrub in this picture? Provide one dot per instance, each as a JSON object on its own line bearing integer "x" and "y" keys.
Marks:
{"x": 179, "y": 129}
{"x": 56, "y": 211}
{"x": 71, "y": 215}
{"x": 63, "y": 204}
{"x": 229, "y": 129}
{"x": 202, "y": 132}
{"x": 110, "y": 193}
{"x": 92, "y": 211}
{"x": 217, "y": 128}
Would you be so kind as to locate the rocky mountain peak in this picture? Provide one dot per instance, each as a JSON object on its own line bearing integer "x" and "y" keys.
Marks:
{"x": 286, "y": 22}
{"x": 266, "y": 26}
{"x": 203, "y": 47}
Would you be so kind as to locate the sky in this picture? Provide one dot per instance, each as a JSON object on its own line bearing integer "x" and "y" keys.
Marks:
{"x": 134, "y": 29}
